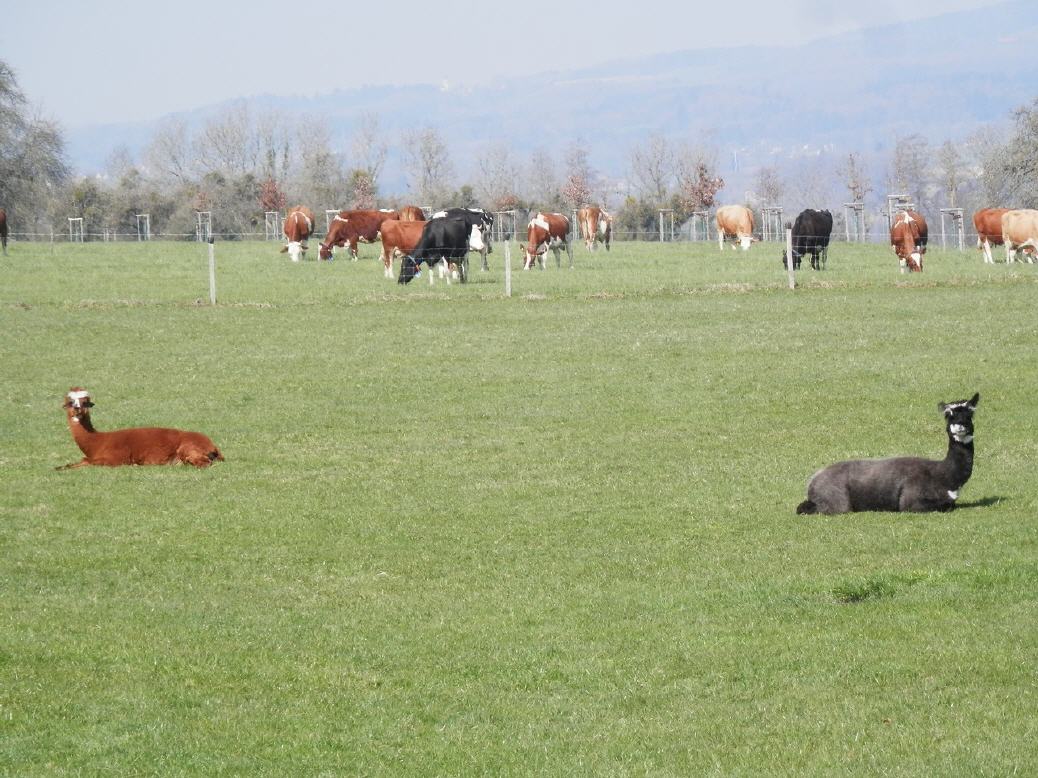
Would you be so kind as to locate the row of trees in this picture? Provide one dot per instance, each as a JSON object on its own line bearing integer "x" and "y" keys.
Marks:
{"x": 240, "y": 164}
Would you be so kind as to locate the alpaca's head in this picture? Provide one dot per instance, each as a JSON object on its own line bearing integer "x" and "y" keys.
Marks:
{"x": 959, "y": 418}
{"x": 78, "y": 403}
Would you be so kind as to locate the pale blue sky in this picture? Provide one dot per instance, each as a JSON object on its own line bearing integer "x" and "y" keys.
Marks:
{"x": 99, "y": 62}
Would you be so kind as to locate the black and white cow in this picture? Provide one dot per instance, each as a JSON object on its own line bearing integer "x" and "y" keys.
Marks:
{"x": 811, "y": 232}
{"x": 447, "y": 238}
{"x": 473, "y": 216}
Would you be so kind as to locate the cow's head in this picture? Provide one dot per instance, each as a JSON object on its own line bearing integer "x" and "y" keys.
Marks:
{"x": 796, "y": 259}
{"x": 296, "y": 250}
{"x": 477, "y": 237}
{"x": 745, "y": 241}
{"x": 409, "y": 270}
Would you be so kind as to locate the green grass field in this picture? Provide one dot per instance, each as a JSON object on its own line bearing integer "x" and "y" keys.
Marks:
{"x": 554, "y": 534}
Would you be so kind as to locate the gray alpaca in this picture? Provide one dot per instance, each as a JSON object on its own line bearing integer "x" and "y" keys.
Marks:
{"x": 900, "y": 483}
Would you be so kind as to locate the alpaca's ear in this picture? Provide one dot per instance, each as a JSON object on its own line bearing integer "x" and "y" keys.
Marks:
{"x": 973, "y": 402}
{"x": 943, "y": 408}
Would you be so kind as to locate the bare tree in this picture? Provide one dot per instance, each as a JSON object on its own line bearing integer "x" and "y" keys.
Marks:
{"x": 428, "y": 165}
{"x": 908, "y": 166}
{"x": 274, "y": 145}
{"x": 768, "y": 186}
{"x": 320, "y": 178}
{"x": 168, "y": 155}
{"x": 543, "y": 182}
{"x": 814, "y": 184}
{"x": 1020, "y": 157}
{"x": 950, "y": 165}
{"x": 652, "y": 169}
{"x": 32, "y": 155}
{"x": 227, "y": 144}
{"x": 499, "y": 177}
{"x": 370, "y": 147}
{"x": 855, "y": 178}
{"x": 988, "y": 151}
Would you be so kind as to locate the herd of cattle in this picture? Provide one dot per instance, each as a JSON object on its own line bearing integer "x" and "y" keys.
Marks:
{"x": 448, "y": 236}
{"x": 1017, "y": 229}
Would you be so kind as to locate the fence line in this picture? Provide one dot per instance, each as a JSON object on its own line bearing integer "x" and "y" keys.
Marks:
{"x": 647, "y": 235}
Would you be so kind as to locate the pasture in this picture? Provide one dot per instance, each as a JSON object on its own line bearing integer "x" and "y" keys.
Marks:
{"x": 553, "y": 534}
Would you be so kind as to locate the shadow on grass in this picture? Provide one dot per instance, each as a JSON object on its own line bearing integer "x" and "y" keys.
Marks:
{"x": 983, "y": 502}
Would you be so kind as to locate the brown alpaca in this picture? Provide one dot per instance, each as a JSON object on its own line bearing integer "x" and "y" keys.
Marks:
{"x": 137, "y": 446}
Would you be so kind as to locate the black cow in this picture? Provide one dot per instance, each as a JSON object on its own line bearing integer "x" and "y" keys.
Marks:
{"x": 446, "y": 238}
{"x": 472, "y": 216}
{"x": 811, "y": 232}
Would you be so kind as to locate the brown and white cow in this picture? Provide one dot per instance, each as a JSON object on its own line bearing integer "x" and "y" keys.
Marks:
{"x": 352, "y": 227}
{"x": 595, "y": 225}
{"x": 3, "y": 229}
{"x": 735, "y": 223}
{"x": 908, "y": 237}
{"x": 988, "y": 222}
{"x": 412, "y": 213}
{"x": 399, "y": 236}
{"x": 298, "y": 227}
{"x": 547, "y": 231}
{"x": 1020, "y": 231}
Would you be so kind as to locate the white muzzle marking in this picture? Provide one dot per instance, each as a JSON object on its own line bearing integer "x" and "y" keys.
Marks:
{"x": 77, "y": 397}
{"x": 295, "y": 250}
{"x": 745, "y": 243}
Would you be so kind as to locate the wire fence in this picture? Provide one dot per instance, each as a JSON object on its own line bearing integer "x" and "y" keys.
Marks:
{"x": 112, "y": 236}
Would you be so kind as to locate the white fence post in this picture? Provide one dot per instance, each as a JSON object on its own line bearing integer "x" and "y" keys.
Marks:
{"x": 789, "y": 259}
{"x": 212, "y": 273}
{"x": 508, "y": 268}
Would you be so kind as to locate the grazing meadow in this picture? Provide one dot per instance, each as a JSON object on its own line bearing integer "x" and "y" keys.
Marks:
{"x": 458, "y": 533}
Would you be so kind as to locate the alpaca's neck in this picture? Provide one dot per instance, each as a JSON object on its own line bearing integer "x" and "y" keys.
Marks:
{"x": 83, "y": 432}
{"x": 958, "y": 464}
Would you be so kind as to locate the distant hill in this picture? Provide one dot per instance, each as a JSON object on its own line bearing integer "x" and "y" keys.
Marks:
{"x": 940, "y": 77}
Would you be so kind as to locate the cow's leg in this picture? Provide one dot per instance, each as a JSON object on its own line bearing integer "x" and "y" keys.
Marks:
{"x": 569, "y": 253}
{"x": 985, "y": 247}
{"x": 484, "y": 266}
{"x": 353, "y": 249}
{"x": 1010, "y": 253}
{"x": 720, "y": 239}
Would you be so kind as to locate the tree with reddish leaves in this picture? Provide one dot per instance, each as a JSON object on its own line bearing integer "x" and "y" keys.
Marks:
{"x": 576, "y": 191}
{"x": 698, "y": 187}
{"x": 271, "y": 198}
{"x": 581, "y": 178}
{"x": 363, "y": 190}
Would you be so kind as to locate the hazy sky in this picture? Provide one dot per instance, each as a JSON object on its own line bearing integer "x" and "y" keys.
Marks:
{"x": 86, "y": 62}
